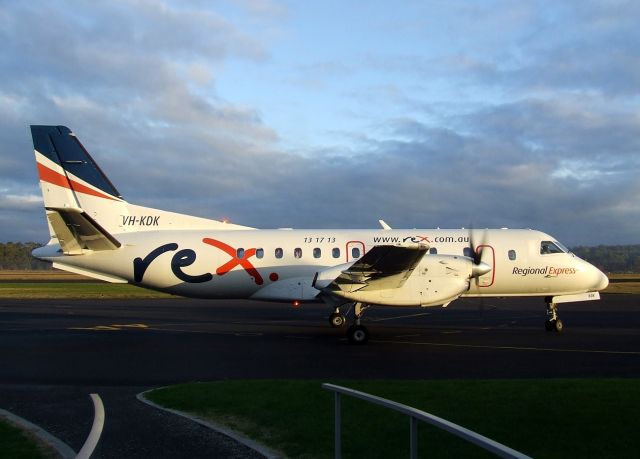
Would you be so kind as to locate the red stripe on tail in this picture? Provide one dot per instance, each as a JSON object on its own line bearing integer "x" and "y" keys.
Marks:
{"x": 55, "y": 178}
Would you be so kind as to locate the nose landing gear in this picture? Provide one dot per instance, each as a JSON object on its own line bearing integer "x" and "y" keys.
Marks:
{"x": 553, "y": 322}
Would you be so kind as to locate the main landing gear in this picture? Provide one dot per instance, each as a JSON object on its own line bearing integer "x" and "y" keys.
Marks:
{"x": 553, "y": 322}
{"x": 337, "y": 319}
{"x": 356, "y": 333}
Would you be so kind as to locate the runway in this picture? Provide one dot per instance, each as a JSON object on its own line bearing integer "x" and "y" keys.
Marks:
{"x": 55, "y": 352}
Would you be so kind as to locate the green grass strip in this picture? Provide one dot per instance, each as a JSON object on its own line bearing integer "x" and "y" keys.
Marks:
{"x": 71, "y": 290}
{"x": 581, "y": 418}
{"x": 16, "y": 444}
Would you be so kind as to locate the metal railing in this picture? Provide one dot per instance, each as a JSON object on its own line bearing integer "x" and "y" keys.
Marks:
{"x": 416, "y": 415}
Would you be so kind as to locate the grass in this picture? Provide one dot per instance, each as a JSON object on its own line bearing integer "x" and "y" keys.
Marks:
{"x": 16, "y": 444}
{"x": 74, "y": 290}
{"x": 623, "y": 283}
{"x": 15, "y": 284}
{"x": 541, "y": 418}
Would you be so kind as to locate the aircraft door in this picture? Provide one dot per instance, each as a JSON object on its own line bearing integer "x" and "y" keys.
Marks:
{"x": 488, "y": 257}
{"x": 355, "y": 250}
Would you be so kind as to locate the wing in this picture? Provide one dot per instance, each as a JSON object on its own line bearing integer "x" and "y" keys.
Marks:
{"x": 382, "y": 267}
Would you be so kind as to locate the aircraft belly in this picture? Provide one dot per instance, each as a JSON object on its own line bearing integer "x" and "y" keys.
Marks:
{"x": 291, "y": 289}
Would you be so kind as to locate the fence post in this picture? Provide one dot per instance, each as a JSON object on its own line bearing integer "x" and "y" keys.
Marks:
{"x": 413, "y": 437}
{"x": 338, "y": 422}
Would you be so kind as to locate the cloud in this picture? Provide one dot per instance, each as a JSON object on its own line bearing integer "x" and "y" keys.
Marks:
{"x": 492, "y": 115}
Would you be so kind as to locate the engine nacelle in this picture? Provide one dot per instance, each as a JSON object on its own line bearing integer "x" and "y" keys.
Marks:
{"x": 436, "y": 280}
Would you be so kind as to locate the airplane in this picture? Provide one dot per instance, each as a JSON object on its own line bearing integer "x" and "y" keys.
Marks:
{"x": 97, "y": 233}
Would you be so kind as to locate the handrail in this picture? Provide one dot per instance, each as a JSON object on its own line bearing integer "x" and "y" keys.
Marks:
{"x": 416, "y": 415}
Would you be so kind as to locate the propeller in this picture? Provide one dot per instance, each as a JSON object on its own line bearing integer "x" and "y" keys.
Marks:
{"x": 479, "y": 267}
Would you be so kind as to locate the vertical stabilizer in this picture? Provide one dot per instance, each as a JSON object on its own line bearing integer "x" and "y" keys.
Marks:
{"x": 70, "y": 178}
{"x": 73, "y": 184}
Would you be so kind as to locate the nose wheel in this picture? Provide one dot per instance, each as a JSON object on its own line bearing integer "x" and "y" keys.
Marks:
{"x": 553, "y": 323}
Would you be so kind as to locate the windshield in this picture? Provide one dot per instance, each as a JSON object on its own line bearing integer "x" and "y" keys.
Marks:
{"x": 547, "y": 247}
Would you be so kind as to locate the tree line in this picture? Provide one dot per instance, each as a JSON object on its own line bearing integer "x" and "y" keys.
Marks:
{"x": 612, "y": 258}
{"x": 17, "y": 255}
{"x": 609, "y": 258}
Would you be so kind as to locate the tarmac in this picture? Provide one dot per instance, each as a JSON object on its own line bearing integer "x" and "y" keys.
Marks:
{"x": 54, "y": 353}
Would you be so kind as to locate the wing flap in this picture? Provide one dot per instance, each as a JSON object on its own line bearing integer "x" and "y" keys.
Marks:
{"x": 382, "y": 267}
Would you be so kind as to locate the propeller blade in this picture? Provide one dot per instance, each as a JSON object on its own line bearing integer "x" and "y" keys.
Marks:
{"x": 479, "y": 267}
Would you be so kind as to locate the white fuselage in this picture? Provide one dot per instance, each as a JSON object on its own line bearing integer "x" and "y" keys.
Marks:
{"x": 282, "y": 264}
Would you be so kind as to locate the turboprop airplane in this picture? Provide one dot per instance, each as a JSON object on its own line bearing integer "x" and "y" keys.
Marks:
{"x": 95, "y": 232}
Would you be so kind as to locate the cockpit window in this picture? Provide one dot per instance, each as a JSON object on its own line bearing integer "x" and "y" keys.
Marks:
{"x": 547, "y": 247}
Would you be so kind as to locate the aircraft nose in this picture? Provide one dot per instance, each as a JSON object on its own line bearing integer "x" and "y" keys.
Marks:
{"x": 603, "y": 281}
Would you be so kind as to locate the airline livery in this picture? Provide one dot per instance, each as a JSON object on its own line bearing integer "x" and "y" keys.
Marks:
{"x": 95, "y": 232}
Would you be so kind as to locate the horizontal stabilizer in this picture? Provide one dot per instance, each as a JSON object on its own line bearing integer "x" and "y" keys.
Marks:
{"x": 76, "y": 232}
{"x": 90, "y": 273}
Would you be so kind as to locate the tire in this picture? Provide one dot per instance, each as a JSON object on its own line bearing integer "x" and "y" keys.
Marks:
{"x": 548, "y": 325}
{"x": 358, "y": 334}
{"x": 337, "y": 320}
{"x": 558, "y": 326}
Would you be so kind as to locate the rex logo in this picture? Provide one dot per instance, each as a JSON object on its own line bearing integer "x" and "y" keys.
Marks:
{"x": 186, "y": 257}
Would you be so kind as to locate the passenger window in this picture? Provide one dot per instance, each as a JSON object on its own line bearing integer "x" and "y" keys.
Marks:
{"x": 547, "y": 247}
{"x": 240, "y": 253}
{"x": 317, "y": 252}
{"x": 297, "y": 252}
{"x": 355, "y": 252}
{"x": 433, "y": 251}
{"x": 512, "y": 255}
{"x": 467, "y": 252}
{"x": 335, "y": 252}
{"x": 279, "y": 252}
{"x": 259, "y": 253}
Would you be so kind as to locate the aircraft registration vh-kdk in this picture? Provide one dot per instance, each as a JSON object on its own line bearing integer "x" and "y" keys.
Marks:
{"x": 95, "y": 232}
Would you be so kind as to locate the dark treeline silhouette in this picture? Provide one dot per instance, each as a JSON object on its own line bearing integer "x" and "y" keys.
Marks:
{"x": 612, "y": 258}
{"x": 17, "y": 255}
{"x": 609, "y": 258}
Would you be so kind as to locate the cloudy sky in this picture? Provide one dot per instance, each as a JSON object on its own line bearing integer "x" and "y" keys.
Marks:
{"x": 336, "y": 113}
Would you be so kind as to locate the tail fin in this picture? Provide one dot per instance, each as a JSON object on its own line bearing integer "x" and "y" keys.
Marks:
{"x": 64, "y": 162}
{"x": 71, "y": 184}
{"x": 83, "y": 207}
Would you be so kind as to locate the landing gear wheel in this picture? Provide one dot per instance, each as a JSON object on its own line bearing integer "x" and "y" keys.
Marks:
{"x": 337, "y": 320}
{"x": 554, "y": 325}
{"x": 358, "y": 334}
{"x": 558, "y": 326}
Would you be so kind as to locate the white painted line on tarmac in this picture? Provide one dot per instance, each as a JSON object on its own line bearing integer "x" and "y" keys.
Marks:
{"x": 510, "y": 348}
{"x": 401, "y": 317}
{"x": 61, "y": 447}
{"x": 96, "y": 430}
